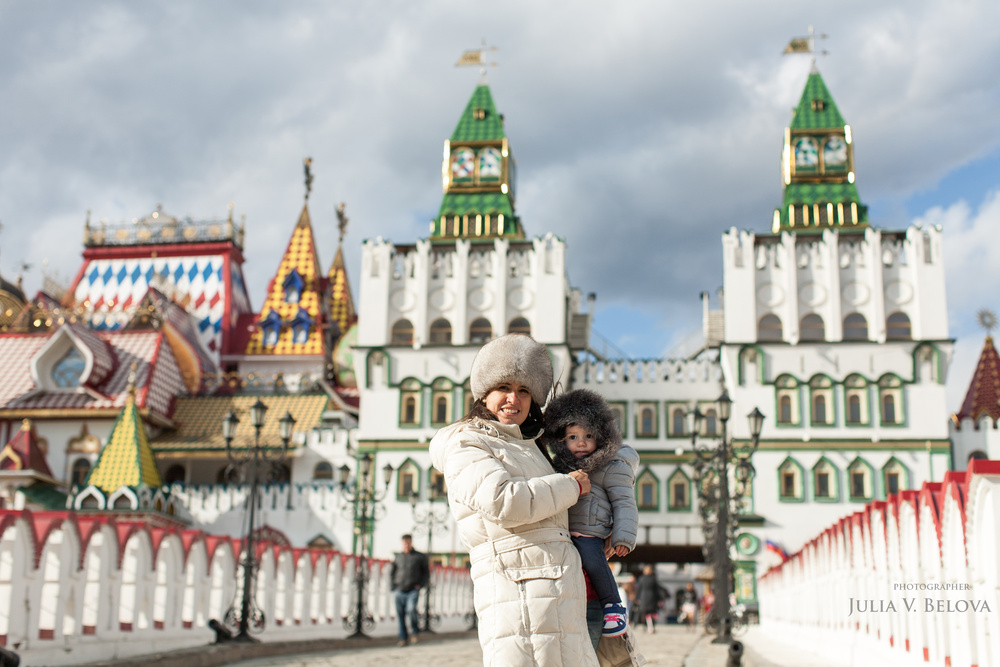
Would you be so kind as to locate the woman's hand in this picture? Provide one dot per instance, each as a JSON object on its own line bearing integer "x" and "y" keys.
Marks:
{"x": 584, "y": 480}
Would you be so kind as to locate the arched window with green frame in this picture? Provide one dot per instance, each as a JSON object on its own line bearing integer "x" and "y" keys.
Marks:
{"x": 790, "y": 481}
{"x": 647, "y": 491}
{"x": 825, "y": 481}
{"x": 679, "y": 492}
{"x": 407, "y": 480}
{"x": 860, "y": 481}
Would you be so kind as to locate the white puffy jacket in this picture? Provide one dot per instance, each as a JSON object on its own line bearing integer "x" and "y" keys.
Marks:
{"x": 510, "y": 507}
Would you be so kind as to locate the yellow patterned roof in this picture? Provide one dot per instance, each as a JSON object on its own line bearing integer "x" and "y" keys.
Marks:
{"x": 126, "y": 459}
{"x": 341, "y": 301}
{"x": 199, "y": 420}
{"x": 300, "y": 256}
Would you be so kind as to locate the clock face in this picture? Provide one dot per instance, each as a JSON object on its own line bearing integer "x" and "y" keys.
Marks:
{"x": 463, "y": 163}
{"x": 835, "y": 151}
{"x": 489, "y": 163}
{"x": 806, "y": 154}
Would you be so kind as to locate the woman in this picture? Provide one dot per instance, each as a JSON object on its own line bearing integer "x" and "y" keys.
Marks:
{"x": 649, "y": 594}
{"x": 510, "y": 507}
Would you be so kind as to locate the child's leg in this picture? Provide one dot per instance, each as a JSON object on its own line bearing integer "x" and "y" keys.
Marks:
{"x": 596, "y": 566}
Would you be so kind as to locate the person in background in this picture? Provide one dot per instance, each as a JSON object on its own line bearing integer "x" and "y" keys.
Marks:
{"x": 650, "y": 595}
{"x": 410, "y": 572}
{"x": 688, "y": 600}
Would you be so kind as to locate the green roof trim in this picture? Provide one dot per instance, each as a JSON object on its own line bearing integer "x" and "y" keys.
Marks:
{"x": 821, "y": 193}
{"x": 45, "y": 495}
{"x": 816, "y": 107}
{"x": 471, "y": 127}
{"x": 458, "y": 203}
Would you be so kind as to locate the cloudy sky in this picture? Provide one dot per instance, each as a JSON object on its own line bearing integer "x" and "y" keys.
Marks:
{"x": 642, "y": 130}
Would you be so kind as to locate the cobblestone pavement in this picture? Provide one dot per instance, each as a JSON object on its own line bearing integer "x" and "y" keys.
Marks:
{"x": 667, "y": 647}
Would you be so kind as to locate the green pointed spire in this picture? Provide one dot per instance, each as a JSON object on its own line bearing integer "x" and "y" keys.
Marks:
{"x": 480, "y": 120}
{"x": 126, "y": 459}
{"x": 818, "y": 167}
{"x": 478, "y": 177}
{"x": 816, "y": 108}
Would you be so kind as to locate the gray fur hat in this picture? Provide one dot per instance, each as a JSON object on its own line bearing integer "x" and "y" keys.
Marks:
{"x": 512, "y": 358}
{"x": 589, "y": 410}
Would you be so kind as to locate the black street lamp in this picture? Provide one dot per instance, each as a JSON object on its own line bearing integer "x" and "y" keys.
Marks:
{"x": 719, "y": 504}
{"x": 364, "y": 501}
{"x": 428, "y": 518}
{"x": 256, "y": 464}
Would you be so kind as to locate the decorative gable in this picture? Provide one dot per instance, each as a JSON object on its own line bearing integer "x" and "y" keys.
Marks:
{"x": 74, "y": 358}
{"x": 24, "y": 453}
{"x": 280, "y": 327}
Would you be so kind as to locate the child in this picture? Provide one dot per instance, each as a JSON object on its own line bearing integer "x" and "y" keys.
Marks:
{"x": 582, "y": 433}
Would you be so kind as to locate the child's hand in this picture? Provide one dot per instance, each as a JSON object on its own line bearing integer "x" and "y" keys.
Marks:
{"x": 621, "y": 550}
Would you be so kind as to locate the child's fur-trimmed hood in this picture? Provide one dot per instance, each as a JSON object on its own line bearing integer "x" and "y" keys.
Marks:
{"x": 587, "y": 409}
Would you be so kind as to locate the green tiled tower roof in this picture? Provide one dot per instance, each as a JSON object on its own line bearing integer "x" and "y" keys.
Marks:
{"x": 819, "y": 192}
{"x": 471, "y": 128}
{"x": 482, "y": 203}
{"x": 479, "y": 175}
{"x": 127, "y": 459}
{"x": 816, "y": 107}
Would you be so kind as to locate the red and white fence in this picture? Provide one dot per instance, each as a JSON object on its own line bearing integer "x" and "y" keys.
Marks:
{"x": 911, "y": 580}
{"x": 78, "y": 587}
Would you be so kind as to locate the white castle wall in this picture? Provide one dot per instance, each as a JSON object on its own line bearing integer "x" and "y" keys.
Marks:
{"x": 832, "y": 275}
{"x": 76, "y": 588}
{"x": 911, "y": 581}
{"x": 968, "y": 437}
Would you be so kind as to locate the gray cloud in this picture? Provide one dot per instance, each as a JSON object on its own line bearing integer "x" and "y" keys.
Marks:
{"x": 642, "y": 130}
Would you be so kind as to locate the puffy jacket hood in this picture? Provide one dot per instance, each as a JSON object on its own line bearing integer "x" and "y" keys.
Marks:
{"x": 587, "y": 409}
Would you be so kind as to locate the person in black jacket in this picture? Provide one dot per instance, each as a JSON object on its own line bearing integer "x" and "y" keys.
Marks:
{"x": 410, "y": 572}
{"x": 649, "y": 594}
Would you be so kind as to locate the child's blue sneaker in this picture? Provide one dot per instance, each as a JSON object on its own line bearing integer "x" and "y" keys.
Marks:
{"x": 614, "y": 620}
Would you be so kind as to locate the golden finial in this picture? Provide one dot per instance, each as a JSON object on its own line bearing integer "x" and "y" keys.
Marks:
{"x": 987, "y": 319}
{"x": 342, "y": 220}
{"x": 25, "y": 424}
{"x": 132, "y": 374}
{"x": 309, "y": 177}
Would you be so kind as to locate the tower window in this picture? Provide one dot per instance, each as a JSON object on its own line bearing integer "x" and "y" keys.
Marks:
{"x": 677, "y": 422}
{"x": 441, "y": 332}
{"x": 271, "y": 326}
{"x": 769, "y": 328}
{"x": 323, "y": 471}
{"x": 480, "y": 331}
{"x": 819, "y": 409}
{"x": 785, "y": 409}
{"x": 854, "y": 409}
{"x": 711, "y": 422}
{"x": 293, "y": 285}
{"x": 519, "y": 325}
{"x": 402, "y": 332}
{"x": 898, "y": 327}
{"x": 855, "y": 327}
{"x": 812, "y": 328}
{"x": 301, "y": 326}
{"x": 69, "y": 369}
{"x": 888, "y": 409}
{"x": 81, "y": 468}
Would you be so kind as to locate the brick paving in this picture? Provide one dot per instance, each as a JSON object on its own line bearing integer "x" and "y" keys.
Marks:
{"x": 667, "y": 647}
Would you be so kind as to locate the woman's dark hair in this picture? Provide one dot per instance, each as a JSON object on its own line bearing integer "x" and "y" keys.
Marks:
{"x": 531, "y": 427}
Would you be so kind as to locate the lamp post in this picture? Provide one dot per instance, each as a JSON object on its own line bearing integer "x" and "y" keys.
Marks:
{"x": 428, "y": 518}
{"x": 719, "y": 504}
{"x": 256, "y": 463}
{"x": 364, "y": 501}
